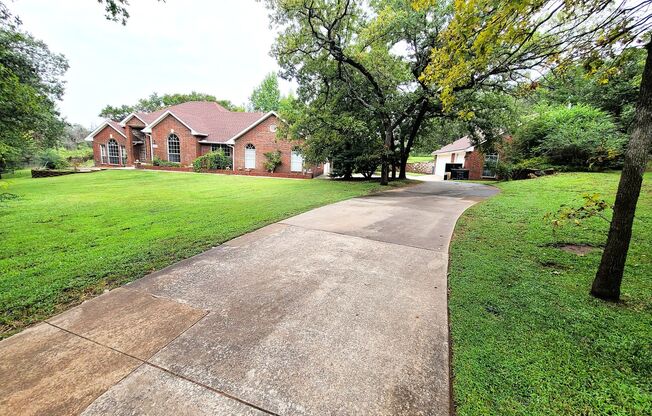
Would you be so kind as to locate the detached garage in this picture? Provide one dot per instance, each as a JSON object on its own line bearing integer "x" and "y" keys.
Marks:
{"x": 462, "y": 154}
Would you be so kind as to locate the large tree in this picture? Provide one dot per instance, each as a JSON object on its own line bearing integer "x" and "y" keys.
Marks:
{"x": 31, "y": 84}
{"x": 267, "y": 96}
{"x": 351, "y": 46}
{"x": 610, "y": 84}
{"x": 488, "y": 40}
{"x": 374, "y": 52}
{"x": 156, "y": 102}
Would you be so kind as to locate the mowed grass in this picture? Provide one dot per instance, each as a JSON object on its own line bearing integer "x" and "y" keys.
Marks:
{"x": 417, "y": 159}
{"x": 68, "y": 238}
{"x": 527, "y": 337}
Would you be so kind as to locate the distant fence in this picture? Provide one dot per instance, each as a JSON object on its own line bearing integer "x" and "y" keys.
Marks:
{"x": 421, "y": 167}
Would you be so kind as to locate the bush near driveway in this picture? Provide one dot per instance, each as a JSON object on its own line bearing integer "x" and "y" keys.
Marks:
{"x": 527, "y": 338}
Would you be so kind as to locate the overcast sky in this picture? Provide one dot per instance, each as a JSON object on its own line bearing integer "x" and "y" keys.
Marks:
{"x": 217, "y": 47}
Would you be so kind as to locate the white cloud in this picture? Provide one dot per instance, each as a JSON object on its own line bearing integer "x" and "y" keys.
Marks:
{"x": 216, "y": 47}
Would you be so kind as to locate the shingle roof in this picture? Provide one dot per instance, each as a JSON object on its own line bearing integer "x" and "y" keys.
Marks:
{"x": 117, "y": 126}
{"x": 209, "y": 118}
{"x": 459, "y": 144}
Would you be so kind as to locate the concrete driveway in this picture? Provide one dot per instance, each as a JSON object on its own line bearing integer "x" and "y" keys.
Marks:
{"x": 341, "y": 310}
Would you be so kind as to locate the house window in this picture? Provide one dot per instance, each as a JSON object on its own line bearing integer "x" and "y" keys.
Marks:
{"x": 453, "y": 158}
{"x": 102, "y": 153}
{"x": 225, "y": 148}
{"x": 123, "y": 153}
{"x": 250, "y": 156}
{"x": 174, "y": 148}
{"x": 114, "y": 152}
{"x": 296, "y": 160}
{"x": 272, "y": 128}
{"x": 489, "y": 167}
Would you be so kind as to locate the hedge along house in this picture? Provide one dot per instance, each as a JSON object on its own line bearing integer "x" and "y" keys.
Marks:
{"x": 184, "y": 132}
{"x": 462, "y": 154}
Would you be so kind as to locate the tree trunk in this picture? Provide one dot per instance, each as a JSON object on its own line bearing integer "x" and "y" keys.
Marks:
{"x": 403, "y": 172}
{"x": 389, "y": 141}
{"x": 405, "y": 150}
{"x": 610, "y": 273}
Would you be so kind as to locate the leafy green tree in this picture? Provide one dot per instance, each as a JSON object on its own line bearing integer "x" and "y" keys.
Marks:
{"x": 485, "y": 39}
{"x": 231, "y": 106}
{"x": 156, "y": 102}
{"x": 117, "y": 113}
{"x": 116, "y": 10}
{"x": 374, "y": 53}
{"x": 267, "y": 96}
{"x": 611, "y": 85}
{"x": 335, "y": 130}
{"x": 31, "y": 84}
{"x": 580, "y": 136}
{"x": 74, "y": 135}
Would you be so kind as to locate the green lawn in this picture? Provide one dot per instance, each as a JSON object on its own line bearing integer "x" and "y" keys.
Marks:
{"x": 527, "y": 337}
{"x": 416, "y": 159}
{"x": 67, "y": 238}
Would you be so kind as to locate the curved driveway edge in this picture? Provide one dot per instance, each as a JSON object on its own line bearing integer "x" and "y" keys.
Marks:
{"x": 340, "y": 310}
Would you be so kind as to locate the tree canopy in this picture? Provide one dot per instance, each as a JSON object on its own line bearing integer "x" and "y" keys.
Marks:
{"x": 374, "y": 53}
{"x": 266, "y": 97}
{"x": 31, "y": 84}
{"x": 156, "y": 102}
{"x": 498, "y": 42}
{"x": 116, "y": 10}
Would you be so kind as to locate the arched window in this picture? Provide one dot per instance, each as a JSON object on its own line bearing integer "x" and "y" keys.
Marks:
{"x": 296, "y": 160}
{"x": 174, "y": 148}
{"x": 250, "y": 156}
{"x": 114, "y": 152}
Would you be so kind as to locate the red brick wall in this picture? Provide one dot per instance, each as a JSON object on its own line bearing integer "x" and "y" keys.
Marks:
{"x": 474, "y": 162}
{"x": 103, "y": 137}
{"x": 189, "y": 144}
{"x": 265, "y": 141}
{"x": 135, "y": 122}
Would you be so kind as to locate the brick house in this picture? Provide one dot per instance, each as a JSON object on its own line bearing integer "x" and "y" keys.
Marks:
{"x": 463, "y": 154}
{"x": 184, "y": 132}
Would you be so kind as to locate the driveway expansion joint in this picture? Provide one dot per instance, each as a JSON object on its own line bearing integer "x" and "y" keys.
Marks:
{"x": 147, "y": 362}
{"x": 444, "y": 253}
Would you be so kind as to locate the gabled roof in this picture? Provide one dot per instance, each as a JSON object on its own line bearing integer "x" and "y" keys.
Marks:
{"x": 162, "y": 117}
{"x": 254, "y": 124}
{"x": 463, "y": 143}
{"x": 211, "y": 122}
{"x": 207, "y": 119}
{"x": 110, "y": 123}
{"x": 129, "y": 117}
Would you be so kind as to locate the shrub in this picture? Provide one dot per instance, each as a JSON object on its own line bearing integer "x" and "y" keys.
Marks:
{"x": 51, "y": 159}
{"x": 165, "y": 163}
{"x": 366, "y": 165}
{"x": 212, "y": 160}
{"x": 83, "y": 153}
{"x": 579, "y": 137}
{"x": 273, "y": 160}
